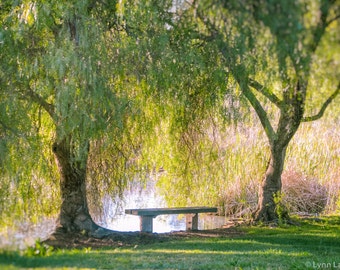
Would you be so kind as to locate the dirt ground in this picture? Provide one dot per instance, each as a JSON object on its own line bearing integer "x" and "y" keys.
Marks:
{"x": 131, "y": 239}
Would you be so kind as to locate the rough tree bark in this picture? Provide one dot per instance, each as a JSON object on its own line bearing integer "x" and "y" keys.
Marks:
{"x": 291, "y": 114}
{"x": 74, "y": 212}
{"x": 271, "y": 185}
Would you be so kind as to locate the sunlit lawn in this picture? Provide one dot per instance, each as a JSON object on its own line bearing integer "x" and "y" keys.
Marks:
{"x": 313, "y": 245}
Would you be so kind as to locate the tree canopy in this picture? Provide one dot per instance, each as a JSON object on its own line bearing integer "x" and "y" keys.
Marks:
{"x": 109, "y": 88}
{"x": 62, "y": 89}
{"x": 274, "y": 55}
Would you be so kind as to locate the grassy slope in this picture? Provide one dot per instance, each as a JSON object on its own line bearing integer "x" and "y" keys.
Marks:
{"x": 313, "y": 245}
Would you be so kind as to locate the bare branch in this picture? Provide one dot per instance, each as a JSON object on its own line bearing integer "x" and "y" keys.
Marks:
{"x": 262, "y": 114}
{"x": 255, "y": 103}
{"x": 266, "y": 92}
{"x": 323, "y": 108}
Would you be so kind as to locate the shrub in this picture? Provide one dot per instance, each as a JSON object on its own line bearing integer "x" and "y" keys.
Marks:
{"x": 39, "y": 250}
{"x": 302, "y": 193}
{"x": 240, "y": 199}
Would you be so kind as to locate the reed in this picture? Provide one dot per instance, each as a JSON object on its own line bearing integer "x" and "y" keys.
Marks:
{"x": 311, "y": 177}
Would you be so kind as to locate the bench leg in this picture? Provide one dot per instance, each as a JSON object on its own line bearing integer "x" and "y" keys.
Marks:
{"x": 192, "y": 222}
{"x": 146, "y": 223}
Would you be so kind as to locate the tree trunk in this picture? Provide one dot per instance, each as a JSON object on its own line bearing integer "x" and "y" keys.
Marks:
{"x": 271, "y": 186}
{"x": 74, "y": 212}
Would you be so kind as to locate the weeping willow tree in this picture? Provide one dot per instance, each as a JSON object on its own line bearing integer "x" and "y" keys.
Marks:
{"x": 63, "y": 96}
{"x": 274, "y": 54}
{"x": 188, "y": 90}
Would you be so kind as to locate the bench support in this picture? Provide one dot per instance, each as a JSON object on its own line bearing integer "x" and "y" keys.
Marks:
{"x": 192, "y": 222}
{"x": 146, "y": 223}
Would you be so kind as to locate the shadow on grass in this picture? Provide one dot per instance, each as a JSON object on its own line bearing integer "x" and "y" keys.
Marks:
{"x": 196, "y": 254}
{"x": 248, "y": 256}
{"x": 309, "y": 246}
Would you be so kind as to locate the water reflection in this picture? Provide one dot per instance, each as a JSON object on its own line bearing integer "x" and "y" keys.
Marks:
{"x": 113, "y": 217}
{"x": 167, "y": 223}
{"x": 25, "y": 234}
{"x": 148, "y": 196}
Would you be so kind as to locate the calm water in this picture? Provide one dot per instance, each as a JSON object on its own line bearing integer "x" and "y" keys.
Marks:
{"x": 148, "y": 197}
{"x": 114, "y": 218}
{"x": 26, "y": 234}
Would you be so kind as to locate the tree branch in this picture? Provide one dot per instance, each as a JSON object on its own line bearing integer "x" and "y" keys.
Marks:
{"x": 322, "y": 24}
{"x": 7, "y": 127}
{"x": 49, "y": 108}
{"x": 262, "y": 114}
{"x": 255, "y": 103}
{"x": 243, "y": 81}
{"x": 266, "y": 92}
{"x": 323, "y": 108}
{"x": 332, "y": 20}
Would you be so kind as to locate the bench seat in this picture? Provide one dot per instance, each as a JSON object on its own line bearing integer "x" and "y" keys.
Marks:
{"x": 147, "y": 215}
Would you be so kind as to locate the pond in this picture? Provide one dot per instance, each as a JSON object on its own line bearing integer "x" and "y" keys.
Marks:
{"x": 148, "y": 197}
{"x": 113, "y": 218}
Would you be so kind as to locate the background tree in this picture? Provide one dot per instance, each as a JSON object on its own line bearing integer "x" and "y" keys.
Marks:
{"x": 273, "y": 50}
{"x": 211, "y": 57}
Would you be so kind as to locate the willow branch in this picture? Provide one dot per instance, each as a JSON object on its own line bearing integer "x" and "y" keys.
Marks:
{"x": 322, "y": 24}
{"x": 323, "y": 108}
{"x": 48, "y": 107}
{"x": 243, "y": 81}
{"x": 262, "y": 114}
{"x": 255, "y": 103}
{"x": 7, "y": 127}
{"x": 333, "y": 19}
{"x": 266, "y": 92}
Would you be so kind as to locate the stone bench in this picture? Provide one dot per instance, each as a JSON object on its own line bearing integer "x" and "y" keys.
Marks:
{"x": 147, "y": 215}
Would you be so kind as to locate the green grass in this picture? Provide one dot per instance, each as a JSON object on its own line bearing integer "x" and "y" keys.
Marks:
{"x": 312, "y": 245}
